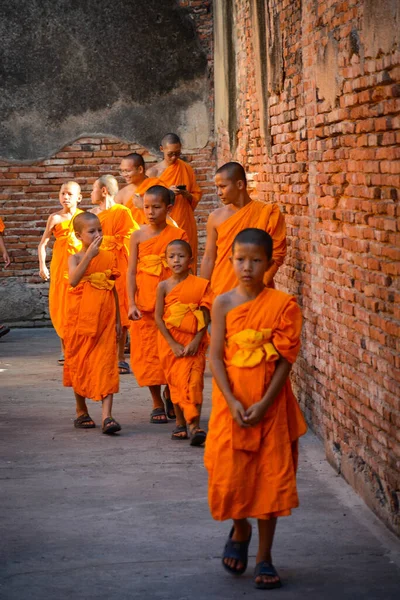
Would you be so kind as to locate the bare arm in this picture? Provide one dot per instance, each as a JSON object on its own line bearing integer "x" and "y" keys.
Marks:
{"x": 210, "y": 252}
{"x": 218, "y": 318}
{"x": 77, "y": 266}
{"x": 118, "y": 314}
{"x": 133, "y": 312}
{"x": 4, "y": 252}
{"x": 43, "y": 270}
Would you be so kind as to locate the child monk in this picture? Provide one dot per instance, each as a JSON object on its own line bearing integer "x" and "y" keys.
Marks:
{"x": 238, "y": 212}
{"x": 117, "y": 225}
{"x": 177, "y": 175}
{"x": 147, "y": 267}
{"x": 60, "y": 224}
{"x": 92, "y": 325}
{"x": 252, "y": 443}
{"x": 182, "y": 315}
{"x": 3, "y": 328}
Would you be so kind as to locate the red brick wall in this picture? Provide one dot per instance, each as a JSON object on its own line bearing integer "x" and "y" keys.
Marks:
{"x": 29, "y": 192}
{"x": 334, "y": 169}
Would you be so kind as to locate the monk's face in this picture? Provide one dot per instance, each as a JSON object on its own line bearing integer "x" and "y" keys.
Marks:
{"x": 155, "y": 209}
{"x": 90, "y": 231}
{"x": 70, "y": 195}
{"x": 130, "y": 172}
{"x": 249, "y": 262}
{"x": 97, "y": 195}
{"x": 228, "y": 191}
{"x": 171, "y": 153}
{"x": 178, "y": 258}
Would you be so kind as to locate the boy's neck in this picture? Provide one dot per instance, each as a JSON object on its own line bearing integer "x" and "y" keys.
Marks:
{"x": 69, "y": 211}
{"x": 107, "y": 203}
{"x": 178, "y": 277}
{"x": 251, "y": 291}
{"x": 157, "y": 228}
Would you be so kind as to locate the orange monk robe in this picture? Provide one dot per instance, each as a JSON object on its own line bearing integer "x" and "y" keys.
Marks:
{"x": 180, "y": 173}
{"x": 90, "y": 366}
{"x": 252, "y": 471}
{"x": 117, "y": 225}
{"x": 2, "y": 226}
{"x": 138, "y": 213}
{"x": 255, "y": 214}
{"x": 66, "y": 243}
{"x": 183, "y": 318}
{"x": 151, "y": 269}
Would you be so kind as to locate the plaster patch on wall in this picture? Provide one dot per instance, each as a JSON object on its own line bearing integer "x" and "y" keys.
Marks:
{"x": 381, "y": 26}
{"x": 327, "y": 72}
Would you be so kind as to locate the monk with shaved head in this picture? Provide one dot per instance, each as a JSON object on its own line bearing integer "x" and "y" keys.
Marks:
{"x": 60, "y": 224}
{"x": 238, "y": 212}
{"x": 177, "y": 175}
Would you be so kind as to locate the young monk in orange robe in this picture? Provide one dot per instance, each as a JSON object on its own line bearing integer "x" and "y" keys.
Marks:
{"x": 117, "y": 225}
{"x": 92, "y": 325}
{"x": 182, "y": 315}
{"x": 60, "y": 224}
{"x": 179, "y": 177}
{"x": 3, "y": 328}
{"x": 251, "y": 450}
{"x": 239, "y": 212}
{"x": 147, "y": 267}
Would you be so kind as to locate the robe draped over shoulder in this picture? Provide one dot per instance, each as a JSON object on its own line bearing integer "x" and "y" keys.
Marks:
{"x": 252, "y": 471}
{"x": 183, "y": 318}
{"x": 91, "y": 367}
{"x": 254, "y": 214}
{"x": 180, "y": 173}
{"x": 151, "y": 269}
{"x": 117, "y": 225}
{"x": 65, "y": 244}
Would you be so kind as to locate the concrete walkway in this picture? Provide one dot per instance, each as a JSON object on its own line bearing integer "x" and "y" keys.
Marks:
{"x": 87, "y": 516}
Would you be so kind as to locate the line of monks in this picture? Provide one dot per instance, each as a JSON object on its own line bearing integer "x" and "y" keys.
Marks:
{"x": 130, "y": 264}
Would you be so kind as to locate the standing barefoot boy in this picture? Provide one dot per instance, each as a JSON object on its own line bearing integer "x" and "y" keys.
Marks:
{"x": 60, "y": 224}
{"x": 146, "y": 268}
{"x": 251, "y": 450}
{"x": 182, "y": 315}
{"x": 92, "y": 325}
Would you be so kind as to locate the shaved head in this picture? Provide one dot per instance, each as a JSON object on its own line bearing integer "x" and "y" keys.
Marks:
{"x": 84, "y": 219}
{"x": 233, "y": 171}
{"x": 182, "y": 243}
{"x": 256, "y": 237}
{"x": 170, "y": 138}
{"x": 72, "y": 184}
{"x": 164, "y": 194}
{"x": 110, "y": 183}
{"x": 136, "y": 158}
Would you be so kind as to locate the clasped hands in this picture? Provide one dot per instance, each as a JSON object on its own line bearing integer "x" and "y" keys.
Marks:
{"x": 250, "y": 416}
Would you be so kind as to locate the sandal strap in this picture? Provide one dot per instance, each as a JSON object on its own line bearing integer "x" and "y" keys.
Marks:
{"x": 265, "y": 568}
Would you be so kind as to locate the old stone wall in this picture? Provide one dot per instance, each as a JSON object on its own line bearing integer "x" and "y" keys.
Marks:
{"x": 136, "y": 96}
{"x": 314, "y": 115}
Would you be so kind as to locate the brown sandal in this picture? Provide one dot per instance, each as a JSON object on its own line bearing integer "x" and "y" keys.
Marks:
{"x": 179, "y": 430}
{"x": 84, "y": 422}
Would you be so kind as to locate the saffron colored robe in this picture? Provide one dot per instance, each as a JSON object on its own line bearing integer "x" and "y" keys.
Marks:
{"x": 255, "y": 214}
{"x": 90, "y": 366}
{"x": 2, "y": 226}
{"x": 151, "y": 269}
{"x": 183, "y": 318}
{"x": 66, "y": 243}
{"x": 117, "y": 225}
{"x": 252, "y": 471}
{"x": 180, "y": 173}
{"x": 138, "y": 213}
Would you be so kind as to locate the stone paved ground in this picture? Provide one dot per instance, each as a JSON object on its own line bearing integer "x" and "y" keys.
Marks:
{"x": 86, "y": 516}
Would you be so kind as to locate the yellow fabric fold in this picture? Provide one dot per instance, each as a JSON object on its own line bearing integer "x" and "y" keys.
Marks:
{"x": 254, "y": 346}
{"x": 152, "y": 264}
{"x": 179, "y": 310}
{"x": 100, "y": 280}
{"x": 112, "y": 242}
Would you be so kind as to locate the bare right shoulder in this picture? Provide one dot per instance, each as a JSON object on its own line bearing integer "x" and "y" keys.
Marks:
{"x": 124, "y": 195}
{"x": 54, "y": 219}
{"x": 223, "y": 303}
{"x": 219, "y": 215}
{"x": 154, "y": 171}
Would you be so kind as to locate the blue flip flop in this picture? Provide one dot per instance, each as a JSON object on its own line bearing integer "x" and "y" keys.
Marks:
{"x": 267, "y": 569}
{"x": 238, "y": 551}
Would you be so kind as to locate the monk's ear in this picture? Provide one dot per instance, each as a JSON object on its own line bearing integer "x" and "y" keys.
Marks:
{"x": 78, "y": 235}
{"x": 162, "y": 148}
{"x": 240, "y": 184}
{"x": 141, "y": 169}
{"x": 79, "y": 199}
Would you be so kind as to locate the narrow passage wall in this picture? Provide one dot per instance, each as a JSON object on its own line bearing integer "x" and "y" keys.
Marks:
{"x": 314, "y": 113}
